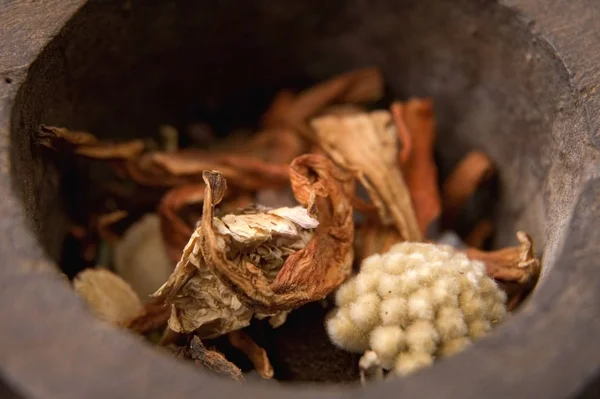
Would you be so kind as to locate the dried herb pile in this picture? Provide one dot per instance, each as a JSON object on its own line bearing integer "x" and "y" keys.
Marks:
{"x": 256, "y": 226}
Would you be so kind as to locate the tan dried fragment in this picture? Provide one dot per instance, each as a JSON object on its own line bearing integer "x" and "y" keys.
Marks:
{"x": 366, "y": 143}
{"x": 87, "y": 144}
{"x": 108, "y": 296}
{"x": 213, "y": 360}
{"x": 257, "y": 355}
{"x": 514, "y": 264}
{"x": 262, "y": 263}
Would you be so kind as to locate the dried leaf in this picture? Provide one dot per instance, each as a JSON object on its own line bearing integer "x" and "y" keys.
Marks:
{"x": 141, "y": 258}
{"x": 87, "y": 144}
{"x": 415, "y": 124}
{"x": 263, "y": 262}
{"x": 108, "y": 296}
{"x": 213, "y": 360}
{"x": 474, "y": 169}
{"x": 257, "y": 355}
{"x": 367, "y": 144}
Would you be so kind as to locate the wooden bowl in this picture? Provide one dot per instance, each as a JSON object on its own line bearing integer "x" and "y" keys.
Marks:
{"x": 517, "y": 78}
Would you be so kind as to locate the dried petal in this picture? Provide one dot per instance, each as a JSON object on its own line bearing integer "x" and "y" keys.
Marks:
{"x": 108, "y": 296}
{"x": 366, "y": 143}
{"x": 474, "y": 169}
{"x": 256, "y": 354}
{"x": 141, "y": 256}
{"x": 87, "y": 144}
{"x": 416, "y": 125}
{"x": 275, "y": 115}
{"x": 213, "y": 360}
{"x": 105, "y": 221}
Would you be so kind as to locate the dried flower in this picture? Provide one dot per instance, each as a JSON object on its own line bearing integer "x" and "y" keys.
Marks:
{"x": 257, "y": 355}
{"x": 263, "y": 261}
{"x": 108, "y": 296}
{"x": 367, "y": 144}
{"x": 140, "y": 256}
{"x": 413, "y": 303}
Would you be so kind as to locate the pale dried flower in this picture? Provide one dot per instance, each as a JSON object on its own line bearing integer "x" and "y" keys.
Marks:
{"x": 430, "y": 300}
{"x": 108, "y": 296}
{"x": 141, "y": 257}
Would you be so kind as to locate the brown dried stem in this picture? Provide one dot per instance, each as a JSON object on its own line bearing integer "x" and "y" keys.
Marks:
{"x": 213, "y": 360}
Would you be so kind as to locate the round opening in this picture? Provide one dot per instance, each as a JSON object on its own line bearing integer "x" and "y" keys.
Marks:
{"x": 121, "y": 72}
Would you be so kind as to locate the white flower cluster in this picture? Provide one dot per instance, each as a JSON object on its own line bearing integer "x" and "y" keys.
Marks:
{"x": 414, "y": 303}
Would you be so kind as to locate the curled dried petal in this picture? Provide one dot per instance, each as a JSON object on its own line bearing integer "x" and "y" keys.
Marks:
{"x": 366, "y": 144}
{"x": 257, "y": 355}
{"x": 415, "y": 124}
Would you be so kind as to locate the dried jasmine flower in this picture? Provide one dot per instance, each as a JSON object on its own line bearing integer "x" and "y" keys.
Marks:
{"x": 108, "y": 296}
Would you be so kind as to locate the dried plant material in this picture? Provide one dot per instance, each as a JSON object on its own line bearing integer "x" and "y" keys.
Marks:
{"x": 257, "y": 355}
{"x": 186, "y": 166}
{"x": 107, "y": 295}
{"x": 141, "y": 258}
{"x": 370, "y": 368}
{"x": 213, "y": 360}
{"x": 277, "y": 145}
{"x": 154, "y": 316}
{"x": 170, "y": 138}
{"x": 87, "y": 144}
{"x": 372, "y": 238}
{"x": 176, "y": 231}
{"x": 415, "y": 124}
{"x": 514, "y": 264}
{"x": 480, "y": 233}
{"x": 275, "y": 115}
{"x": 264, "y": 261}
{"x": 367, "y": 144}
{"x": 474, "y": 169}
{"x": 105, "y": 221}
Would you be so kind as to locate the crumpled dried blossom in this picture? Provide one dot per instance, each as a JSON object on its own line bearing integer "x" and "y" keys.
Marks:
{"x": 367, "y": 144}
{"x": 262, "y": 261}
{"x": 415, "y": 125}
{"x": 87, "y": 144}
{"x": 107, "y": 295}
